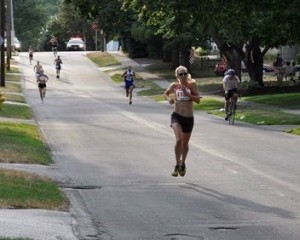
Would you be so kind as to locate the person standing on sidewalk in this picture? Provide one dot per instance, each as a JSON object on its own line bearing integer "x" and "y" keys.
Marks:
{"x": 129, "y": 76}
{"x": 185, "y": 93}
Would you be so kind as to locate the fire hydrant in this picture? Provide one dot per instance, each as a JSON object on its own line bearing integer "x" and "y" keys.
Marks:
{"x": 2, "y": 100}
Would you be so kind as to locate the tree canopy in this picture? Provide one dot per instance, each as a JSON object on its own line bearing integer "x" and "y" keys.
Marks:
{"x": 239, "y": 28}
{"x": 242, "y": 30}
{"x": 30, "y": 18}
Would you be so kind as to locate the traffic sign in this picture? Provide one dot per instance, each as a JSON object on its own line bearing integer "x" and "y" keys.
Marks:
{"x": 95, "y": 26}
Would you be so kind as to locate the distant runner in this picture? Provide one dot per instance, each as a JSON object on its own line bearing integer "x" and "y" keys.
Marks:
{"x": 30, "y": 53}
{"x": 54, "y": 44}
{"x": 58, "y": 63}
{"x": 42, "y": 80}
{"x": 129, "y": 76}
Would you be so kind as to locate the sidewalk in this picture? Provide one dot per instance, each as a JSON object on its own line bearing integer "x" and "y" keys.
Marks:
{"x": 125, "y": 61}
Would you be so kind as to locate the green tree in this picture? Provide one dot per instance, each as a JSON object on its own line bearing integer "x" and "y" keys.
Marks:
{"x": 116, "y": 22}
{"x": 109, "y": 14}
{"x": 65, "y": 24}
{"x": 239, "y": 28}
{"x": 174, "y": 22}
{"x": 30, "y": 18}
{"x": 247, "y": 30}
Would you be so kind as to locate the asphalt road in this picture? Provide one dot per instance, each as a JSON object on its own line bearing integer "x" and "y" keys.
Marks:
{"x": 242, "y": 182}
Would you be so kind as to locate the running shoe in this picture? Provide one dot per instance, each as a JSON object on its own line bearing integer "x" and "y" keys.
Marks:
{"x": 175, "y": 171}
{"x": 182, "y": 170}
{"x": 227, "y": 116}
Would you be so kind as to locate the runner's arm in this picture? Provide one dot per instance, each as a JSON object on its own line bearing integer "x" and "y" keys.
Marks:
{"x": 194, "y": 95}
{"x": 167, "y": 94}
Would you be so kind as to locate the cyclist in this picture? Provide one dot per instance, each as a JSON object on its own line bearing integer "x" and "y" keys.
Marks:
{"x": 30, "y": 52}
{"x": 54, "y": 44}
{"x": 41, "y": 80}
{"x": 129, "y": 76}
{"x": 58, "y": 63}
{"x": 230, "y": 85}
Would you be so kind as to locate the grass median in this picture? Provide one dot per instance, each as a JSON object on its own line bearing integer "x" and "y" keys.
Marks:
{"x": 22, "y": 142}
{"x": 23, "y": 190}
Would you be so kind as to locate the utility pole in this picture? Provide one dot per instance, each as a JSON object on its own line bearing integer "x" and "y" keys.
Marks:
{"x": 2, "y": 31}
{"x": 8, "y": 34}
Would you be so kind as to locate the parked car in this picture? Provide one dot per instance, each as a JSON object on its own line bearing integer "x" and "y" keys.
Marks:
{"x": 76, "y": 44}
{"x": 221, "y": 68}
{"x": 16, "y": 44}
{"x": 268, "y": 68}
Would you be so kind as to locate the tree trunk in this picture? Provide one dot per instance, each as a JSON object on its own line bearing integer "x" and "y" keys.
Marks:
{"x": 234, "y": 60}
{"x": 254, "y": 62}
{"x": 167, "y": 55}
{"x": 253, "y": 57}
{"x": 185, "y": 58}
{"x": 175, "y": 58}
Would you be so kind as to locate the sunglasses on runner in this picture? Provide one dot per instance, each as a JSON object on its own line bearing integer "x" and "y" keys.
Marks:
{"x": 182, "y": 74}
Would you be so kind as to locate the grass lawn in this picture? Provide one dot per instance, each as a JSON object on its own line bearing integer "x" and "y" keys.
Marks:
{"x": 12, "y": 78}
{"x": 14, "y": 87}
{"x": 15, "y": 111}
{"x": 14, "y": 98}
{"x": 285, "y": 100}
{"x": 23, "y": 190}
{"x": 13, "y": 69}
{"x": 22, "y": 143}
{"x": 295, "y": 131}
{"x": 102, "y": 59}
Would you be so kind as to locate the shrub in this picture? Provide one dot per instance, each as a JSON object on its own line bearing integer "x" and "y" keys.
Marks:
{"x": 2, "y": 99}
{"x": 298, "y": 59}
{"x": 202, "y": 52}
{"x": 249, "y": 85}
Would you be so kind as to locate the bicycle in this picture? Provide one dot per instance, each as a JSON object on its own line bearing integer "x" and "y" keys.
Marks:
{"x": 231, "y": 111}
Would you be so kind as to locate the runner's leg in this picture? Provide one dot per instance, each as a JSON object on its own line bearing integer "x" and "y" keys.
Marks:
{"x": 185, "y": 146}
{"x": 41, "y": 93}
{"x": 44, "y": 92}
{"x": 178, "y": 141}
{"x": 130, "y": 94}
